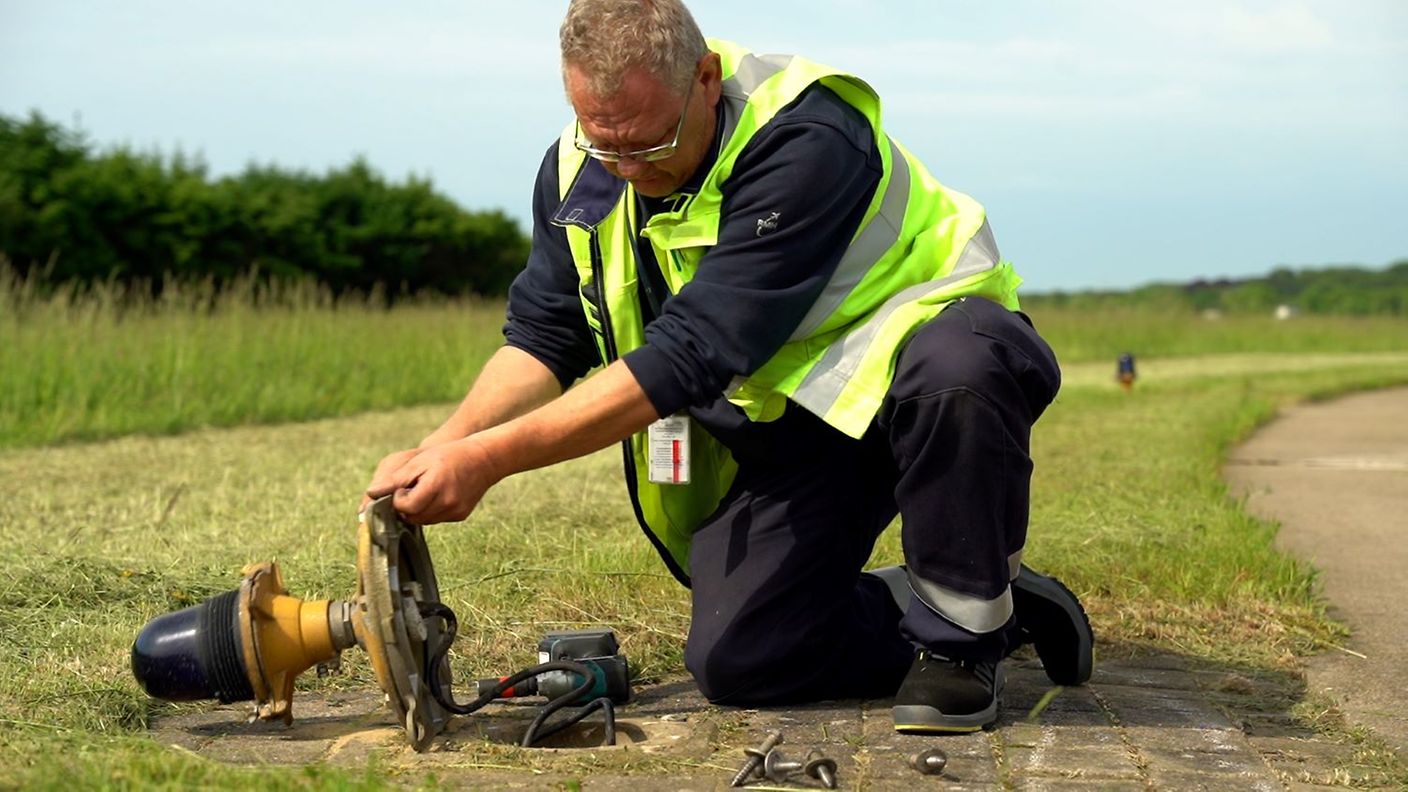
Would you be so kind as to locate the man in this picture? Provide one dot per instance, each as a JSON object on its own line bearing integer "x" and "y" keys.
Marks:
{"x": 803, "y": 334}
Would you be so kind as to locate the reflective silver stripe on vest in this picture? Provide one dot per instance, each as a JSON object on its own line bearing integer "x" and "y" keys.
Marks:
{"x": 879, "y": 236}
{"x": 974, "y": 614}
{"x": 981, "y": 251}
{"x": 733, "y": 110}
{"x": 1014, "y": 565}
{"x": 754, "y": 70}
{"x": 822, "y": 386}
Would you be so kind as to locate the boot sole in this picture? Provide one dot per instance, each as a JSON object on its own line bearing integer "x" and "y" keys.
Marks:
{"x": 919, "y": 718}
{"x": 1045, "y": 594}
{"x": 924, "y": 719}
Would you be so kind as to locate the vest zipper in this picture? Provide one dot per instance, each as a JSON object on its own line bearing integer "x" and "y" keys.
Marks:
{"x": 598, "y": 272}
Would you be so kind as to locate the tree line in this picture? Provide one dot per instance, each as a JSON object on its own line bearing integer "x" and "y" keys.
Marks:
{"x": 1348, "y": 290}
{"x": 69, "y": 213}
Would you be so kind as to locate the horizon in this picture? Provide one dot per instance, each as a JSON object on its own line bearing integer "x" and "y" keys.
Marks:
{"x": 1113, "y": 147}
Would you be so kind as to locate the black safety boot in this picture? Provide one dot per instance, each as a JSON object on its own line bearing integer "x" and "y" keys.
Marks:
{"x": 1050, "y": 617}
{"x": 941, "y": 695}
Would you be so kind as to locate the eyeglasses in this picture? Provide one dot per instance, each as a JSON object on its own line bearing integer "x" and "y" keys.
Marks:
{"x": 652, "y": 154}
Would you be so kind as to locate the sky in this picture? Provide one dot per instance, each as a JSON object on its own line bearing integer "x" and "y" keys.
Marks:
{"x": 1113, "y": 144}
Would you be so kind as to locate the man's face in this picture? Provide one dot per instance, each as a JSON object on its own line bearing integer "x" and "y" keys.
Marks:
{"x": 645, "y": 113}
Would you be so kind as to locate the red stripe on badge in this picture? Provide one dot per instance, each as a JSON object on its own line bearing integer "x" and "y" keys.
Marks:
{"x": 675, "y": 448}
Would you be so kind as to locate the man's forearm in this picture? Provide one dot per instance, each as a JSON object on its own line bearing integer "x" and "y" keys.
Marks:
{"x": 512, "y": 383}
{"x": 445, "y": 480}
{"x": 605, "y": 409}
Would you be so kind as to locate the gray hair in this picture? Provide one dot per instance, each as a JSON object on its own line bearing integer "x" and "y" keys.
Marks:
{"x": 604, "y": 39}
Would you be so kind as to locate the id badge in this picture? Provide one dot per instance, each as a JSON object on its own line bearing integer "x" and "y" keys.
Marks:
{"x": 667, "y": 450}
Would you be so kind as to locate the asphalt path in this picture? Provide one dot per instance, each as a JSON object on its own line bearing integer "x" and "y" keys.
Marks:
{"x": 1335, "y": 475}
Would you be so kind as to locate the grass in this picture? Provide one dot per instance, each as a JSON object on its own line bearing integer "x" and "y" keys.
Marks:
{"x": 1132, "y": 512}
{"x": 110, "y": 361}
{"x": 1082, "y": 336}
{"x": 1129, "y": 509}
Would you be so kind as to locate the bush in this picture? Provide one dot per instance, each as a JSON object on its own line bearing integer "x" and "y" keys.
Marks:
{"x": 69, "y": 214}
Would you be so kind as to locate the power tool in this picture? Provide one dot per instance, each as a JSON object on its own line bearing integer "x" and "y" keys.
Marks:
{"x": 251, "y": 643}
{"x": 596, "y": 649}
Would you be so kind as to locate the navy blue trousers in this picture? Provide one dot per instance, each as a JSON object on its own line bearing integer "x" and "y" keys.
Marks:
{"x": 781, "y": 610}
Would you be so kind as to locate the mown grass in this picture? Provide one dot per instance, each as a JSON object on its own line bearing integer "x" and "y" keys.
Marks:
{"x": 109, "y": 361}
{"x": 1129, "y": 509}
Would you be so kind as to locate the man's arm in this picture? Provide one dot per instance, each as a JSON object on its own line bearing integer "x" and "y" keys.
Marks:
{"x": 510, "y": 384}
{"x": 444, "y": 483}
{"x": 547, "y": 347}
{"x": 607, "y": 408}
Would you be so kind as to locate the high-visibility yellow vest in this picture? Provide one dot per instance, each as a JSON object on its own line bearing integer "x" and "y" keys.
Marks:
{"x": 919, "y": 246}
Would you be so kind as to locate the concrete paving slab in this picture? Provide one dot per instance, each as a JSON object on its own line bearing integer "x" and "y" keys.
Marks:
{"x": 1078, "y": 783}
{"x": 1057, "y": 757}
{"x": 1304, "y": 761}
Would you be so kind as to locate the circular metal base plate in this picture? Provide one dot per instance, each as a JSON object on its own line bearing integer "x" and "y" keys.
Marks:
{"x": 394, "y": 577}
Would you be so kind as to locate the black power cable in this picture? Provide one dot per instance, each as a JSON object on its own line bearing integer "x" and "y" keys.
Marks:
{"x": 536, "y": 730}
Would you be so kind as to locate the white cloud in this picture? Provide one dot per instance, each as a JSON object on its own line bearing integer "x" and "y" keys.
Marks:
{"x": 1286, "y": 29}
{"x": 1200, "y": 63}
{"x": 431, "y": 53}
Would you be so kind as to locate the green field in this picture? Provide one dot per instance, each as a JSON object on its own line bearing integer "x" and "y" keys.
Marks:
{"x": 109, "y": 362}
{"x": 1129, "y": 507}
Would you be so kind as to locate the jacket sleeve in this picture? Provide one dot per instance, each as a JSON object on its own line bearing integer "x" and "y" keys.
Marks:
{"x": 545, "y": 315}
{"x": 796, "y": 197}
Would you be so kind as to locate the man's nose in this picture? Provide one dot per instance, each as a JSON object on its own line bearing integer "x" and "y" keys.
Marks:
{"x": 630, "y": 168}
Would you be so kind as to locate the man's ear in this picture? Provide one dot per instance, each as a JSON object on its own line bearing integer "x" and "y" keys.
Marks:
{"x": 711, "y": 73}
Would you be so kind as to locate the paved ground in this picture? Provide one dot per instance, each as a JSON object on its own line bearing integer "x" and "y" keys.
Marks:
{"x": 1336, "y": 476}
{"x": 1148, "y": 723}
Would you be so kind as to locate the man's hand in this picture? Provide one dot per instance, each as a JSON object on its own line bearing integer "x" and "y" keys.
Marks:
{"x": 440, "y": 484}
{"x": 444, "y": 482}
{"x": 389, "y": 464}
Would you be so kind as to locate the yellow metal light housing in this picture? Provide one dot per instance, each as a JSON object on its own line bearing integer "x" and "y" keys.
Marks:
{"x": 252, "y": 643}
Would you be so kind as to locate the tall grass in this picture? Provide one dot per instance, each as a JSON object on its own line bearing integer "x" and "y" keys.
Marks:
{"x": 109, "y": 360}
{"x": 105, "y": 361}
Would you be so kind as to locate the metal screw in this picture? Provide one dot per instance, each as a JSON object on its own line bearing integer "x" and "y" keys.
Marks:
{"x": 930, "y": 762}
{"x": 756, "y": 757}
{"x": 822, "y": 768}
{"x": 778, "y": 767}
